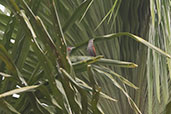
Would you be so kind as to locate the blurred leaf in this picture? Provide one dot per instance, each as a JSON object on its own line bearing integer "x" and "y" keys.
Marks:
{"x": 121, "y": 78}
{"x": 8, "y": 107}
{"x": 152, "y": 11}
{"x": 70, "y": 92}
{"x": 20, "y": 90}
{"x": 156, "y": 60}
{"x": 61, "y": 52}
{"x": 131, "y": 102}
{"x": 110, "y": 13}
{"x": 3, "y": 20}
{"x": 89, "y": 89}
{"x": 117, "y": 63}
{"x": 4, "y": 56}
{"x": 95, "y": 92}
{"x": 5, "y": 75}
{"x": 168, "y": 108}
{"x": 77, "y": 14}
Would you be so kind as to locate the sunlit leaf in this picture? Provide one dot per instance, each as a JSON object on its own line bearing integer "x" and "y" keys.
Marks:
{"x": 19, "y": 90}
{"x": 117, "y": 63}
{"x": 5, "y": 75}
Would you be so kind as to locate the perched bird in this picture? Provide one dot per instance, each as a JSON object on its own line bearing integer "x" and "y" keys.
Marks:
{"x": 91, "y": 49}
{"x": 69, "y": 49}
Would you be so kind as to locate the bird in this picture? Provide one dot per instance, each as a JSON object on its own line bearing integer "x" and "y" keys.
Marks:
{"x": 69, "y": 49}
{"x": 91, "y": 49}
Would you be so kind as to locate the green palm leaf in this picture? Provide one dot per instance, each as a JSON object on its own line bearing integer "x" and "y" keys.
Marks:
{"x": 34, "y": 36}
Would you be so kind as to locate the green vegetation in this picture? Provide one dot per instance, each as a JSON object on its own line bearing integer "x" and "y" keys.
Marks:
{"x": 130, "y": 74}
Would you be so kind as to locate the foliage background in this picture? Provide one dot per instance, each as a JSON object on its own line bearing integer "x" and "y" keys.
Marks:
{"x": 149, "y": 19}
